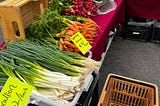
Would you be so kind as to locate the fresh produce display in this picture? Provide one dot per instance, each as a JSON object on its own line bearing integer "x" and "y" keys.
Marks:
{"x": 58, "y": 30}
{"x": 45, "y": 60}
{"x": 42, "y": 79}
{"x": 55, "y": 74}
{"x": 87, "y": 29}
{"x": 48, "y": 25}
{"x": 85, "y": 8}
{"x": 60, "y": 6}
{"x": 52, "y": 59}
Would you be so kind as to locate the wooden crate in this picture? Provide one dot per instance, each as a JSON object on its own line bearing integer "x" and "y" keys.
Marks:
{"x": 16, "y": 15}
{"x": 123, "y": 91}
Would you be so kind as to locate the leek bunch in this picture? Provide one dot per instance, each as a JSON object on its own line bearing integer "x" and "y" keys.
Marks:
{"x": 40, "y": 78}
{"x": 52, "y": 59}
{"x": 46, "y": 68}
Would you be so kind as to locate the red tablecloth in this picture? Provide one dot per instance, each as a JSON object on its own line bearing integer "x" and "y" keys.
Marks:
{"x": 143, "y": 8}
{"x": 106, "y": 23}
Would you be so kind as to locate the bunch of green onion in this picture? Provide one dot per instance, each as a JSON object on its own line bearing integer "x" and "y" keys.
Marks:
{"x": 55, "y": 60}
{"x": 42, "y": 79}
{"x": 46, "y": 68}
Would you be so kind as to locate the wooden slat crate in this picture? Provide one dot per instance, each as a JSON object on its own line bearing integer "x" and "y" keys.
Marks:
{"x": 123, "y": 91}
{"x": 16, "y": 15}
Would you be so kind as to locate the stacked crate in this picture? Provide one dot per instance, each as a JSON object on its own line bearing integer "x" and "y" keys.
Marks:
{"x": 16, "y": 15}
{"x": 156, "y": 32}
{"x": 139, "y": 29}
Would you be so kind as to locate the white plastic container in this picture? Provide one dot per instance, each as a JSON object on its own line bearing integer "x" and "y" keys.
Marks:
{"x": 43, "y": 101}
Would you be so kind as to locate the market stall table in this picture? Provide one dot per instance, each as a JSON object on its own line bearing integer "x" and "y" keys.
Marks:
{"x": 106, "y": 22}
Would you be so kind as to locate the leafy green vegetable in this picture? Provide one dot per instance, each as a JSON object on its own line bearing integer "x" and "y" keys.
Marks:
{"x": 60, "y": 6}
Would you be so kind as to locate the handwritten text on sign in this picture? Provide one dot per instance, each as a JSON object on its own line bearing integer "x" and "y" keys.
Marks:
{"x": 15, "y": 93}
{"x": 82, "y": 44}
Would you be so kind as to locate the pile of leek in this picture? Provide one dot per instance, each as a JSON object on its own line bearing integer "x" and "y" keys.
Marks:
{"x": 40, "y": 78}
{"x": 52, "y": 59}
{"x": 55, "y": 74}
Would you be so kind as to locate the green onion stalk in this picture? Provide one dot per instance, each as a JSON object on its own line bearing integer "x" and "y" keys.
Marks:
{"x": 73, "y": 58}
{"x": 36, "y": 75}
{"x": 45, "y": 59}
{"x": 57, "y": 94}
{"x": 45, "y": 67}
{"x": 3, "y": 78}
{"x": 45, "y": 55}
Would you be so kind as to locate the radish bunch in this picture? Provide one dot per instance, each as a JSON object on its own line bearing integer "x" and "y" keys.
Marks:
{"x": 85, "y": 8}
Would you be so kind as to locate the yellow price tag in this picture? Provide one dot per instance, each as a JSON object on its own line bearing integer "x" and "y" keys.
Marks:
{"x": 15, "y": 93}
{"x": 82, "y": 44}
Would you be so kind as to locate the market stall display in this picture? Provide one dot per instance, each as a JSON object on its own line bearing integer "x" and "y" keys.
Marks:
{"x": 87, "y": 29}
{"x": 56, "y": 74}
{"x": 105, "y": 24}
{"x": 54, "y": 26}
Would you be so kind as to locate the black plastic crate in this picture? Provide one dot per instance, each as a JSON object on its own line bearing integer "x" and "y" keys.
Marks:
{"x": 156, "y": 32}
{"x": 136, "y": 28}
{"x": 134, "y": 32}
{"x": 90, "y": 98}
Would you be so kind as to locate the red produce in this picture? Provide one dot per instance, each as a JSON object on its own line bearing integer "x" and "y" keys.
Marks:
{"x": 85, "y": 8}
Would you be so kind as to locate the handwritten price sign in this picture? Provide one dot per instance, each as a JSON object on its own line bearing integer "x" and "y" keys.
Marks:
{"x": 82, "y": 44}
{"x": 15, "y": 93}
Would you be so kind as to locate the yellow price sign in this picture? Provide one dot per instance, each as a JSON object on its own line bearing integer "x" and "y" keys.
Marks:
{"x": 15, "y": 93}
{"x": 82, "y": 44}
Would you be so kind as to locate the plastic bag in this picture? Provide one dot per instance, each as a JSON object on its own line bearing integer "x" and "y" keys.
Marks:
{"x": 106, "y": 6}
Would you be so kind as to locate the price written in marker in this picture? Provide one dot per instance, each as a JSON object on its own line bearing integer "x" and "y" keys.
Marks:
{"x": 15, "y": 93}
{"x": 82, "y": 44}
